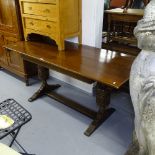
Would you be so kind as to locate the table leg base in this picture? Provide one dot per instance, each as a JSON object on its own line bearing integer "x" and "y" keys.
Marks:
{"x": 27, "y": 82}
{"x": 45, "y": 88}
{"x": 98, "y": 121}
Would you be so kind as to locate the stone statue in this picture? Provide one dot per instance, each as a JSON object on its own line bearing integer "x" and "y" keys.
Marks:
{"x": 142, "y": 85}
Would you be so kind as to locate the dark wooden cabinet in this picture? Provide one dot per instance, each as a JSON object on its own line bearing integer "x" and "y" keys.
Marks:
{"x": 11, "y": 32}
{"x": 8, "y": 16}
{"x": 13, "y": 58}
{"x": 2, "y": 53}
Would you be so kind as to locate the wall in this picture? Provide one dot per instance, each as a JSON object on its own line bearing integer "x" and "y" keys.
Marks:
{"x": 92, "y": 20}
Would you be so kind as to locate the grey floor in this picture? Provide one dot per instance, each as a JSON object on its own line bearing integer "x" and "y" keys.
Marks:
{"x": 58, "y": 130}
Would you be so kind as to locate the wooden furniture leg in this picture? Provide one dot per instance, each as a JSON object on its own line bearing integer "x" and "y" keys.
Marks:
{"x": 103, "y": 94}
{"x": 27, "y": 82}
{"x": 43, "y": 74}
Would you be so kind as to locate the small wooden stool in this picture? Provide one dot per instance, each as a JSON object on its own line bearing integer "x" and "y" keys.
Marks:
{"x": 6, "y": 150}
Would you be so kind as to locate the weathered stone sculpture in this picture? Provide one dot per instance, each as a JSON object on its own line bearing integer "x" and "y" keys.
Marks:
{"x": 142, "y": 85}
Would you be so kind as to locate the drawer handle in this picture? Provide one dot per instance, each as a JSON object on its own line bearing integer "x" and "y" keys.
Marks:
{"x": 30, "y": 8}
{"x": 31, "y": 23}
{"x": 48, "y": 26}
{"x": 47, "y": 11}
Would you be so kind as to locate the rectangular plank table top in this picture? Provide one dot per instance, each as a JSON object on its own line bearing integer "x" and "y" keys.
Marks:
{"x": 100, "y": 65}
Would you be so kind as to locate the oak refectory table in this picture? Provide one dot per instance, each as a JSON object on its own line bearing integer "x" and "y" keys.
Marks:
{"x": 110, "y": 70}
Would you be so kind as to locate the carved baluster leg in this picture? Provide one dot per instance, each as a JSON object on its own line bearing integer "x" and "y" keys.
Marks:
{"x": 43, "y": 74}
{"x": 103, "y": 94}
{"x": 109, "y": 29}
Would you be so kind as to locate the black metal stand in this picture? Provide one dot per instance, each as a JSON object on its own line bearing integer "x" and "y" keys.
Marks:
{"x": 20, "y": 116}
{"x": 14, "y": 135}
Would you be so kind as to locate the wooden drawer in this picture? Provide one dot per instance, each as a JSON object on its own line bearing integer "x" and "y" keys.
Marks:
{"x": 40, "y": 9}
{"x": 47, "y": 1}
{"x": 41, "y": 1}
{"x": 40, "y": 25}
{"x": 124, "y": 18}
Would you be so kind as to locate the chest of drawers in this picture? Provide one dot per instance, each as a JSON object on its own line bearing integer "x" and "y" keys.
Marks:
{"x": 57, "y": 19}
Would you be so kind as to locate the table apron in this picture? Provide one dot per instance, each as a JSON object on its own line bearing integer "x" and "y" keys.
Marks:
{"x": 56, "y": 68}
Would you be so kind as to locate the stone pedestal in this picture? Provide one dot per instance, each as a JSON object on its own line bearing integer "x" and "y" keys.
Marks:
{"x": 142, "y": 85}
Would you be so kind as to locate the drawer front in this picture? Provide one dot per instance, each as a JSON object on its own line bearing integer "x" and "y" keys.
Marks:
{"x": 41, "y": 1}
{"x": 47, "y": 1}
{"x": 40, "y": 25}
{"x": 124, "y": 18}
{"x": 40, "y": 9}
